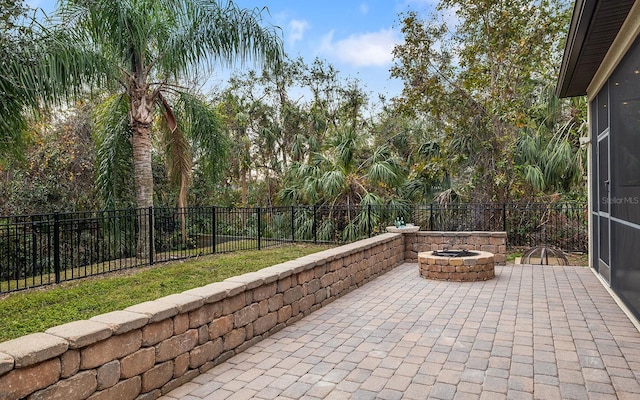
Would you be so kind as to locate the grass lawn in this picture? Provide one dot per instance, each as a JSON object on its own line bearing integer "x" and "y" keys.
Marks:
{"x": 36, "y": 310}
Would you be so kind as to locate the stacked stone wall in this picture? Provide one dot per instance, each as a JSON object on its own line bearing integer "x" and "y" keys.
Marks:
{"x": 151, "y": 348}
{"x": 492, "y": 242}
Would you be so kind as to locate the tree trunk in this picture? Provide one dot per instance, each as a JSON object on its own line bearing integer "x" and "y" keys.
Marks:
{"x": 244, "y": 193}
{"x": 182, "y": 206}
{"x": 141, "y": 120}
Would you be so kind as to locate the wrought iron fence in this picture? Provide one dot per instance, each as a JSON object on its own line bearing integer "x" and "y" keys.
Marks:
{"x": 37, "y": 250}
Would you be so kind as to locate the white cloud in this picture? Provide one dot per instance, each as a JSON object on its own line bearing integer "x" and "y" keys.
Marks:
{"x": 362, "y": 50}
{"x": 364, "y": 8}
{"x": 296, "y": 31}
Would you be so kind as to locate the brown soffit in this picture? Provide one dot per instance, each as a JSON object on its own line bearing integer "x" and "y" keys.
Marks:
{"x": 594, "y": 26}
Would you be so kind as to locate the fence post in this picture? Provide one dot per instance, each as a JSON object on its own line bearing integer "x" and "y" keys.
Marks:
{"x": 504, "y": 217}
{"x": 213, "y": 229}
{"x": 151, "y": 246}
{"x": 293, "y": 225}
{"x": 259, "y": 228}
{"x": 430, "y": 217}
{"x": 313, "y": 225}
{"x": 56, "y": 246}
{"x": 369, "y": 218}
{"x": 34, "y": 249}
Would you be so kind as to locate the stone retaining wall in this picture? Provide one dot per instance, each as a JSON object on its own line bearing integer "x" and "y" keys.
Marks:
{"x": 492, "y": 242}
{"x": 152, "y": 348}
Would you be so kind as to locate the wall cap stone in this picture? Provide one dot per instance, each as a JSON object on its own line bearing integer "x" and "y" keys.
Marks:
{"x": 268, "y": 276}
{"x": 302, "y": 264}
{"x": 332, "y": 254}
{"x": 381, "y": 238}
{"x": 122, "y": 321}
{"x": 231, "y": 288}
{"x": 184, "y": 302}
{"x": 210, "y": 293}
{"x": 34, "y": 348}
{"x": 81, "y": 333}
{"x": 263, "y": 276}
{"x": 252, "y": 280}
{"x": 350, "y": 249}
{"x": 155, "y": 310}
{"x": 283, "y": 270}
{"x": 463, "y": 233}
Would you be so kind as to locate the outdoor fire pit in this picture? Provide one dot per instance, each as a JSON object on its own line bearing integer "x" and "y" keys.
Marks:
{"x": 456, "y": 265}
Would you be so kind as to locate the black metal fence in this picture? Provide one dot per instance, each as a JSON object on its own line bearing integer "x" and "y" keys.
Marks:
{"x": 37, "y": 250}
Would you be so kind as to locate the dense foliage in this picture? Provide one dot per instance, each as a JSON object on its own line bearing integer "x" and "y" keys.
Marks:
{"x": 57, "y": 169}
{"x": 15, "y": 46}
{"x": 484, "y": 82}
{"x": 477, "y": 119}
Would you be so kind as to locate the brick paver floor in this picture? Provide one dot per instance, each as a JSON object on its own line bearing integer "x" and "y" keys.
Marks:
{"x": 531, "y": 333}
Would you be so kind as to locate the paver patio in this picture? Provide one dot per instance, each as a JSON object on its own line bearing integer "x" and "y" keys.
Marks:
{"x": 533, "y": 332}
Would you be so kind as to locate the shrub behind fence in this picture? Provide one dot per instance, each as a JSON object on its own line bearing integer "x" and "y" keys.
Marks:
{"x": 38, "y": 250}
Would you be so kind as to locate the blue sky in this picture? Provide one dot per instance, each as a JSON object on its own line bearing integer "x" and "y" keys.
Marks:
{"x": 355, "y": 36}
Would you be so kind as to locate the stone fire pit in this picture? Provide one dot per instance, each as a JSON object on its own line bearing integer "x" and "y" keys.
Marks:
{"x": 456, "y": 265}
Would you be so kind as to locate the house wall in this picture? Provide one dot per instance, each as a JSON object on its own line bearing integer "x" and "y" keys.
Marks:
{"x": 590, "y": 160}
{"x": 614, "y": 260}
{"x": 628, "y": 33}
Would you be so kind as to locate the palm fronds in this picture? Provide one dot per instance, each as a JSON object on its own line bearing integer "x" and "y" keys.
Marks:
{"x": 112, "y": 135}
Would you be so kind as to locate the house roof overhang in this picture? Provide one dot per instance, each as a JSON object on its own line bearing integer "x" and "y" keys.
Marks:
{"x": 594, "y": 26}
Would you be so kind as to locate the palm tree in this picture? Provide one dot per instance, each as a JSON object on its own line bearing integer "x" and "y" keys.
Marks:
{"x": 347, "y": 175}
{"x": 15, "y": 47}
{"x": 548, "y": 153}
{"x": 141, "y": 51}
